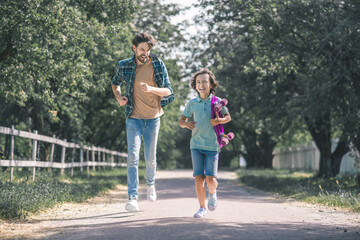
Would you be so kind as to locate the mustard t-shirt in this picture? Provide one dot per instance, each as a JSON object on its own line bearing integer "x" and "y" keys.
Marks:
{"x": 146, "y": 105}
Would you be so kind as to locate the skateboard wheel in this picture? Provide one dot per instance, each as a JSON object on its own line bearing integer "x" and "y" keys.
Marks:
{"x": 230, "y": 135}
{"x": 224, "y": 101}
{"x": 218, "y": 107}
{"x": 224, "y": 141}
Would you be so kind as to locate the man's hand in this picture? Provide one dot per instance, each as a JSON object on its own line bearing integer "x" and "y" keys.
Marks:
{"x": 146, "y": 88}
{"x": 122, "y": 101}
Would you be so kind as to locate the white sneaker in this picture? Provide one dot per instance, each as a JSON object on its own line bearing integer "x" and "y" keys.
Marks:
{"x": 132, "y": 205}
{"x": 151, "y": 193}
{"x": 201, "y": 213}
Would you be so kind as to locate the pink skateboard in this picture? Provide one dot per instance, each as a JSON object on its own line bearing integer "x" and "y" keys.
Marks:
{"x": 216, "y": 106}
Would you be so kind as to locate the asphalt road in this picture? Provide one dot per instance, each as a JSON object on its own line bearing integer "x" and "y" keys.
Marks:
{"x": 241, "y": 214}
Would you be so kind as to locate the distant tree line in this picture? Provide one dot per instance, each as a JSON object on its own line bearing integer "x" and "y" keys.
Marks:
{"x": 291, "y": 72}
{"x": 289, "y": 68}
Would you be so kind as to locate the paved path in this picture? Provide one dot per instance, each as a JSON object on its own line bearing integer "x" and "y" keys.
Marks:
{"x": 240, "y": 215}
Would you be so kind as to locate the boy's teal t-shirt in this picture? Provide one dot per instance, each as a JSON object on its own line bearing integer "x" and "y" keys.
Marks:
{"x": 203, "y": 135}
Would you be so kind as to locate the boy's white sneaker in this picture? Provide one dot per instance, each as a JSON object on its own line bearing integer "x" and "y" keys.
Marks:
{"x": 212, "y": 203}
{"x": 151, "y": 193}
{"x": 132, "y": 205}
{"x": 201, "y": 213}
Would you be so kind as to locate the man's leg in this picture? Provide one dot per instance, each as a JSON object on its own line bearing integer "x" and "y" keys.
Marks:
{"x": 151, "y": 132}
{"x": 133, "y": 131}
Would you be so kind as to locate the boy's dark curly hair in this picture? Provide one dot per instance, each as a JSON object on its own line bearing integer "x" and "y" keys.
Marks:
{"x": 213, "y": 82}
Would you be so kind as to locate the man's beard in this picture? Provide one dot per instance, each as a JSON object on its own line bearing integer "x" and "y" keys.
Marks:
{"x": 141, "y": 59}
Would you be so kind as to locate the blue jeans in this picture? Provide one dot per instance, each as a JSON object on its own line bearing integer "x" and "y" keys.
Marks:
{"x": 135, "y": 130}
{"x": 204, "y": 162}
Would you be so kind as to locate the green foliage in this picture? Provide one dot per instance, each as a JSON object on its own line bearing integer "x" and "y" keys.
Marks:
{"x": 169, "y": 38}
{"x": 54, "y": 60}
{"x": 342, "y": 191}
{"x": 57, "y": 62}
{"x": 295, "y": 64}
{"x": 19, "y": 199}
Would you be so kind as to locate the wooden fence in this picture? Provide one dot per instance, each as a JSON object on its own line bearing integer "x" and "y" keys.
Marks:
{"x": 308, "y": 157}
{"x": 105, "y": 157}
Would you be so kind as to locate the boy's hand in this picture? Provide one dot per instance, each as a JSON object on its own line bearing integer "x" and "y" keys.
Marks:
{"x": 216, "y": 120}
{"x": 190, "y": 125}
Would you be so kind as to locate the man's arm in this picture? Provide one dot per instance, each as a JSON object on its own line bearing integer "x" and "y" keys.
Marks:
{"x": 117, "y": 92}
{"x": 162, "y": 92}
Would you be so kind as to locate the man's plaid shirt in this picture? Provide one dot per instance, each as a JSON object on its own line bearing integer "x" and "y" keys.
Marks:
{"x": 125, "y": 73}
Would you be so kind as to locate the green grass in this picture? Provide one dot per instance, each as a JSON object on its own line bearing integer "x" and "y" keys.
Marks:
{"x": 24, "y": 196}
{"x": 342, "y": 191}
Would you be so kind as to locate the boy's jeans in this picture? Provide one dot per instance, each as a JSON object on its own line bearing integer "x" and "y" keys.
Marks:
{"x": 135, "y": 129}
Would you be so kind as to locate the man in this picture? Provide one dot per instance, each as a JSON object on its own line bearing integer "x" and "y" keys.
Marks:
{"x": 148, "y": 90}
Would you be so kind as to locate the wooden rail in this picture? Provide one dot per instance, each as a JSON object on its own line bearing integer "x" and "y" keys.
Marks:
{"x": 103, "y": 154}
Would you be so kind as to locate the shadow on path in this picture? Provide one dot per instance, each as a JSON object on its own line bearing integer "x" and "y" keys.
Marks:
{"x": 185, "y": 188}
{"x": 188, "y": 228}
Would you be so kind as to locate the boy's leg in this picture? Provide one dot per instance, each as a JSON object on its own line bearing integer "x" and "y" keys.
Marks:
{"x": 133, "y": 132}
{"x": 211, "y": 167}
{"x": 200, "y": 190}
{"x": 198, "y": 160}
{"x": 212, "y": 184}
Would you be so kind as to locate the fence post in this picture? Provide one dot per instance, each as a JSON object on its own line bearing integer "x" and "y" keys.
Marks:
{"x": 81, "y": 159}
{"x": 112, "y": 160}
{"x": 72, "y": 162}
{"x": 93, "y": 157}
{"x": 52, "y": 153}
{"x": 12, "y": 154}
{"x": 99, "y": 158}
{"x": 63, "y": 158}
{"x": 87, "y": 163}
{"x": 104, "y": 158}
{"x": 34, "y": 155}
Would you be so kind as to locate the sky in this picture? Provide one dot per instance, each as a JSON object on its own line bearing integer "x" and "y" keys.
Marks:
{"x": 187, "y": 15}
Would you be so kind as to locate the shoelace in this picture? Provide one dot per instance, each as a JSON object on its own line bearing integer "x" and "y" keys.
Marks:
{"x": 201, "y": 211}
{"x": 212, "y": 200}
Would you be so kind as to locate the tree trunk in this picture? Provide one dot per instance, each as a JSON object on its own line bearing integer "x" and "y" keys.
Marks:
{"x": 267, "y": 145}
{"x": 37, "y": 118}
{"x": 341, "y": 149}
{"x": 320, "y": 130}
{"x": 259, "y": 149}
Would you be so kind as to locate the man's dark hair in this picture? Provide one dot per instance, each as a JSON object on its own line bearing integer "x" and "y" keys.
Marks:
{"x": 144, "y": 37}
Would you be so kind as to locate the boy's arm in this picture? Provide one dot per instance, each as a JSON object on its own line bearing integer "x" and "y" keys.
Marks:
{"x": 225, "y": 119}
{"x": 185, "y": 124}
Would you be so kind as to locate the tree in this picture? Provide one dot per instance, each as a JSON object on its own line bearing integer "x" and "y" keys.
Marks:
{"x": 293, "y": 59}
{"x": 53, "y": 59}
{"x": 155, "y": 18}
{"x": 233, "y": 51}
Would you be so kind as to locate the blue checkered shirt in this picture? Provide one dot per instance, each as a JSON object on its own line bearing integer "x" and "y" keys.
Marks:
{"x": 125, "y": 73}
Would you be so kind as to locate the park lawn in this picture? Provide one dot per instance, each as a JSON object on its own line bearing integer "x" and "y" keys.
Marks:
{"x": 338, "y": 192}
{"x": 24, "y": 196}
